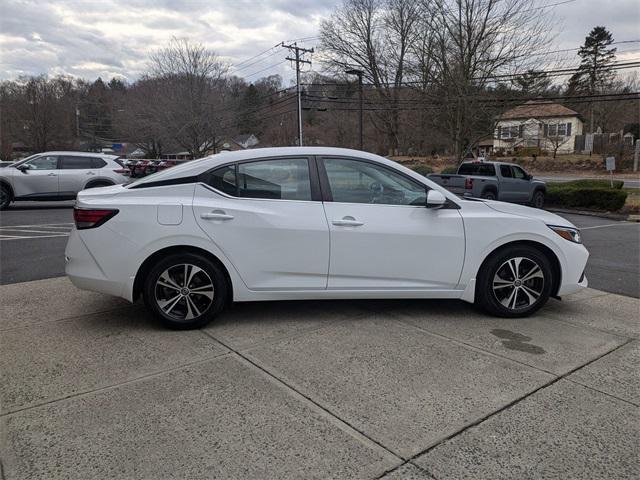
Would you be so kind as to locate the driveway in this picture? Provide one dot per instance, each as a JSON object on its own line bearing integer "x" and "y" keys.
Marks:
{"x": 92, "y": 388}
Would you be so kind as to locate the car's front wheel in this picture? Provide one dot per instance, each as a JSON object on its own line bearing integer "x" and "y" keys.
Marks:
{"x": 538, "y": 199}
{"x": 515, "y": 282}
{"x": 185, "y": 291}
{"x": 5, "y": 197}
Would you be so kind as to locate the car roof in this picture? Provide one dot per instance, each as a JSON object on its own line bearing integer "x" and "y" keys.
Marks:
{"x": 80, "y": 154}
{"x": 196, "y": 167}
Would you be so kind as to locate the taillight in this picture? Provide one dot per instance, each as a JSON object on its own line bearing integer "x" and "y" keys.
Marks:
{"x": 89, "y": 218}
{"x": 468, "y": 184}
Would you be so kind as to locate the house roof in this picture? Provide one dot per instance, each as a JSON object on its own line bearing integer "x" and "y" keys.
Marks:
{"x": 243, "y": 138}
{"x": 538, "y": 109}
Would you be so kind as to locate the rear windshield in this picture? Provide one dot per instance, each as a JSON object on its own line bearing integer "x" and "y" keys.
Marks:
{"x": 479, "y": 169}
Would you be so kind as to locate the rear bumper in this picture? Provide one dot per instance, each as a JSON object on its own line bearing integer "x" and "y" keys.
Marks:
{"x": 84, "y": 271}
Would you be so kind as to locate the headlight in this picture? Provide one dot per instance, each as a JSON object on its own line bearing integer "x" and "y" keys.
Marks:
{"x": 571, "y": 234}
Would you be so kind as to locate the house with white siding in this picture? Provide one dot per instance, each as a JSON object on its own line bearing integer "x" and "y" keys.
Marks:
{"x": 538, "y": 123}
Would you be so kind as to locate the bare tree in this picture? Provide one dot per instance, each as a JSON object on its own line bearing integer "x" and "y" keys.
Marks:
{"x": 191, "y": 91}
{"x": 477, "y": 40}
{"x": 374, "y": 36}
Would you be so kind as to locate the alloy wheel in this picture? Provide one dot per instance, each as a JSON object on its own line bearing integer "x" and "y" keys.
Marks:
{"x": 518, "y": 283}
{"x": 184, "y": 291}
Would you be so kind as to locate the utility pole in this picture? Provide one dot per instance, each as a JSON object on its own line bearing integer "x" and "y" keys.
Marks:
{"x": 298, "y": 50}
{"x": 359, "y": 73}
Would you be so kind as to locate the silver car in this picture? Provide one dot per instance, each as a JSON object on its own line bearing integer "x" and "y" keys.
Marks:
{"x": 58, "y": 176}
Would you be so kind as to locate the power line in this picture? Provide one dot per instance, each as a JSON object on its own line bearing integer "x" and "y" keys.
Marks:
{"x": 257, "y": 55}
{"x": 632, "y": 63}
{"x": 266, "y": 68}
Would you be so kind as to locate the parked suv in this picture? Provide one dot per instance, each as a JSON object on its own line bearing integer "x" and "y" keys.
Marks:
{"x": 506, "y": 182}
{"x": 58, "y": 176}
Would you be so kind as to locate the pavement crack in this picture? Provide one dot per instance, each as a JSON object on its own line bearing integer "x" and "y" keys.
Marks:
{"x": 484, "y": 418}
{"x": 306, "y": 397}
{"x": 83, "y": 393}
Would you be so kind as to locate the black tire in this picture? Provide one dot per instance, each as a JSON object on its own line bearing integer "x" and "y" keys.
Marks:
{"x": 98, "y": 184}
{"x": 489, "y": 195}
{"x": 538, "y": 199}
{"x": 187, "y": 306}
{"x": 493, "y": 288}
{"x": 6, "y": 197}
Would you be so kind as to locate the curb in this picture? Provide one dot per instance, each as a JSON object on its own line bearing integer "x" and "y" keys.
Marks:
{"x": 595, "y": 213}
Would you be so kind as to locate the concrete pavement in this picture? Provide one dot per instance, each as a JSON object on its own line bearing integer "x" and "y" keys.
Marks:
{"x": 92, "y": 388}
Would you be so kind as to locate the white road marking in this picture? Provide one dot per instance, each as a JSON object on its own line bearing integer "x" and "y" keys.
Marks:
{"x": 32, "y": 238}
{"x": 609, "y": 225}
{"x": 7, "y": 229}
{"x": 53, "y": 225}
{"x": 48, "y": 230}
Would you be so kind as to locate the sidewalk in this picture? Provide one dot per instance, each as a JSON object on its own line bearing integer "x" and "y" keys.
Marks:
{"x": 344, "y": 389}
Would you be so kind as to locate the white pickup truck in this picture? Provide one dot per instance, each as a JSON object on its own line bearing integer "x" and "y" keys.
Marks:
{"x": 506, "y": 182}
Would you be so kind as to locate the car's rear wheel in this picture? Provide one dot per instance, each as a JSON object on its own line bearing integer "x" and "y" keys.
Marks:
{"x": 5, "y": 197}
{"x": 185, "y": 291}
{"x": 489, "y": 195}
{"x": 515, "y": 282}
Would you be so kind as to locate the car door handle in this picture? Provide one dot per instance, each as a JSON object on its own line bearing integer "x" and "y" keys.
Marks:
{"x": 52, "y": 174}
{"x": 216, "y": 216}
{"x": 347, "y": 222}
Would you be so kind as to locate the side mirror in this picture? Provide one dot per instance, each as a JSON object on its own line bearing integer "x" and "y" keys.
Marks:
{"x": 23, "y": 168}
{"x": 435, "y": 199}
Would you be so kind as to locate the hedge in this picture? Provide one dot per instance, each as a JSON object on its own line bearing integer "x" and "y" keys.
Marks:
{"x": 591, "y": 183}
{"x": 449, "y": 171}
{"x": 599, "y": 198}
{"x": 421, "y": 169}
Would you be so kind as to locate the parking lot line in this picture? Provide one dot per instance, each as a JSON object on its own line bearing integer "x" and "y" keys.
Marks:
{"x": 46, "y": 225}
{"x": 7, "y": 229}
{"x": 32, "y": 237}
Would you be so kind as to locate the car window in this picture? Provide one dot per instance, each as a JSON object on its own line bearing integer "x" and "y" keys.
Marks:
{"x": 98, "y": 163}
{"x": 282, "y": 179}
{"x": 354, "y": 181}
{"x": 519, "y": 173}
{"x": 69, "y": 162}
{"x": 505, "y": 171}
{"x": 45, "y": 162}
{"x": 224, "y": 179}
{"x": 478, "y": 169}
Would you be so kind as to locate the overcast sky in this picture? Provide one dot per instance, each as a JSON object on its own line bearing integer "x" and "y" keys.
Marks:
{"x": 109, "y": 38}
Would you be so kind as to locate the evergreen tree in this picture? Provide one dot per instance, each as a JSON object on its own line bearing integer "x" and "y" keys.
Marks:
{"x": 595, "y": 73}
{"x": 532, "y": 83}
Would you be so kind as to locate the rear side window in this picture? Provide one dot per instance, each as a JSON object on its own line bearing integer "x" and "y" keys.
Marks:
{"x": 224, "y": 179}
{"x": 98, "y": 163}
{"x": 478, "y": 169}
{"x": 505, "y": 171}
{"x": 75, "y": 163}
{"x": 278, "y": 179}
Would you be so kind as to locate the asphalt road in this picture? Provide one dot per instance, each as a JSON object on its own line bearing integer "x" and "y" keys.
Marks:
{"x": 33, "y": 237}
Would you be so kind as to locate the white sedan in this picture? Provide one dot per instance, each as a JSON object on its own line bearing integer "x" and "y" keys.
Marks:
{"x": 313, "y": 223}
